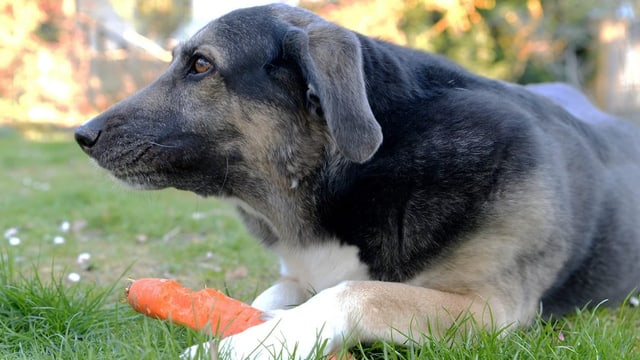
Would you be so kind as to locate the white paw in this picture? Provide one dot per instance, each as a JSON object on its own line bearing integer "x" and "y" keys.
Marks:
{"x": 285, "y": 337}
{"x": 284, "y": 294}
{"x": 316, "y": 328}
{"x": 201, "y": 351}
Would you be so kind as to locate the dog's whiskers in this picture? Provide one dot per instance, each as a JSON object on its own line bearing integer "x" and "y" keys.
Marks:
{"x": 226, "y": 174}
{"x": 162, "y": 145}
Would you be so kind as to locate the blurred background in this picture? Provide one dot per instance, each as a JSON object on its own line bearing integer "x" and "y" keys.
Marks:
{"x": 62, "y": 61}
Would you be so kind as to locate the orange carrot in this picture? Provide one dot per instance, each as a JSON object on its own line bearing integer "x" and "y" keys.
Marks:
{"x": 200, "y": 310}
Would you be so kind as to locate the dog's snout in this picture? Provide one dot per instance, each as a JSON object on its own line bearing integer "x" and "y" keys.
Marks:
{"x": 87, "y": 136}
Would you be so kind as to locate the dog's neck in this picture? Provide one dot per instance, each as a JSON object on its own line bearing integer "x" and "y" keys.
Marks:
{"x": 286, "y": 211}
{"x": 279, "y": 220}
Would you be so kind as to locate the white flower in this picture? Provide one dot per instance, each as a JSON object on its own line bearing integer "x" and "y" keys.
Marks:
{"x": 65, "y": 226}
{"x": 10, "y": 232}
{"x": 58, "y": 240}
{"x": 198, "y": 216}
{"x": 75, "y": 277}
{"x": 83, "y": 258}
{"x": 14, "y": 241}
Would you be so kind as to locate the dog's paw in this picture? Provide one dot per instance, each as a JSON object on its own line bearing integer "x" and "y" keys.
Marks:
{"x": 284, "y": 294}
{"x": 289, "y": 335}
{"x": 311, "y": 330}
{"x": 264, "y": 342}
{"x": 202, "y": 351}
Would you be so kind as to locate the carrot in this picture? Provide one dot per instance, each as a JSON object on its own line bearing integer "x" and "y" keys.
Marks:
{"x": 200, "y": 310}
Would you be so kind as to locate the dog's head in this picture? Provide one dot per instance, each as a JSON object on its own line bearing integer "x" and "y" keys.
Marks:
{"x": 261, "y": 93}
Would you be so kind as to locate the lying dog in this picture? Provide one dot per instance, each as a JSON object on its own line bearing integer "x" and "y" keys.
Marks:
{"x": 402, "y": 189}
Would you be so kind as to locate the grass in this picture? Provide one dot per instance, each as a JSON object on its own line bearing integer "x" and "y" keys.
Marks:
{"x": 44, "y": 315}
{"x": 54, "y": 320}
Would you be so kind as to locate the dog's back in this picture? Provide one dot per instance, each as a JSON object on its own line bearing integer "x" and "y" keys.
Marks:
{"x": 607, "y": 192}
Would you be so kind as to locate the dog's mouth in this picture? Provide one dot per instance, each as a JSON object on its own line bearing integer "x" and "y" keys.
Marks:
{"x": 135, "y": 159}
{"x": 139, "y": 180}
{"x": 138, "y": 162}
{"x": 144, "y": 164}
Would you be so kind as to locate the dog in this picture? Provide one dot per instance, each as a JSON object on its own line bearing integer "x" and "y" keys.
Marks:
{"x": 401, "y": 192}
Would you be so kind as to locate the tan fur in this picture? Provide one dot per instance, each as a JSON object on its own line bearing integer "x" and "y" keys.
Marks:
{"x": 377, "y": 312}
{"x": 295, "y": 150}
{"x": 487, "y": 263}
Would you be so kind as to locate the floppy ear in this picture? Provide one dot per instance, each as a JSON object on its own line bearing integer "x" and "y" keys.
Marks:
{"x": 331, "y": 62}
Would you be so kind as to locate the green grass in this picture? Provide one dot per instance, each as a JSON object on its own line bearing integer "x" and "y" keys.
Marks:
{"x": 44, "y": 315}
{"x": 52, "y": 320}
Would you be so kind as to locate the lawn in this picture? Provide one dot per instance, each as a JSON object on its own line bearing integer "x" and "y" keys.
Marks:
{"x": 72, "y": 236}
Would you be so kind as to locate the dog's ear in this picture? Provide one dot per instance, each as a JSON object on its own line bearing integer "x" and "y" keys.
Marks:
{"x": 331, "y": 62}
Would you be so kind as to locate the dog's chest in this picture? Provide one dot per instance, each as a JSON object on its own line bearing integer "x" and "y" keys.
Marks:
{"x": 315, "y": 263}
{"x": 322, "y": 265}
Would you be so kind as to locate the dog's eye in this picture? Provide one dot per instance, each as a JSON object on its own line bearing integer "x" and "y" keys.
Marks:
{"x": 201, "y": 65}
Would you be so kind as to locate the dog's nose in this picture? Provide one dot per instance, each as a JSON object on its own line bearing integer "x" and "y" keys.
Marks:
{"x": 87, "y": 136}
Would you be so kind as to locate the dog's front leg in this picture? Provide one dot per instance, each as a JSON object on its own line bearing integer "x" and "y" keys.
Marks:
{"x": 353, "y": 311}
